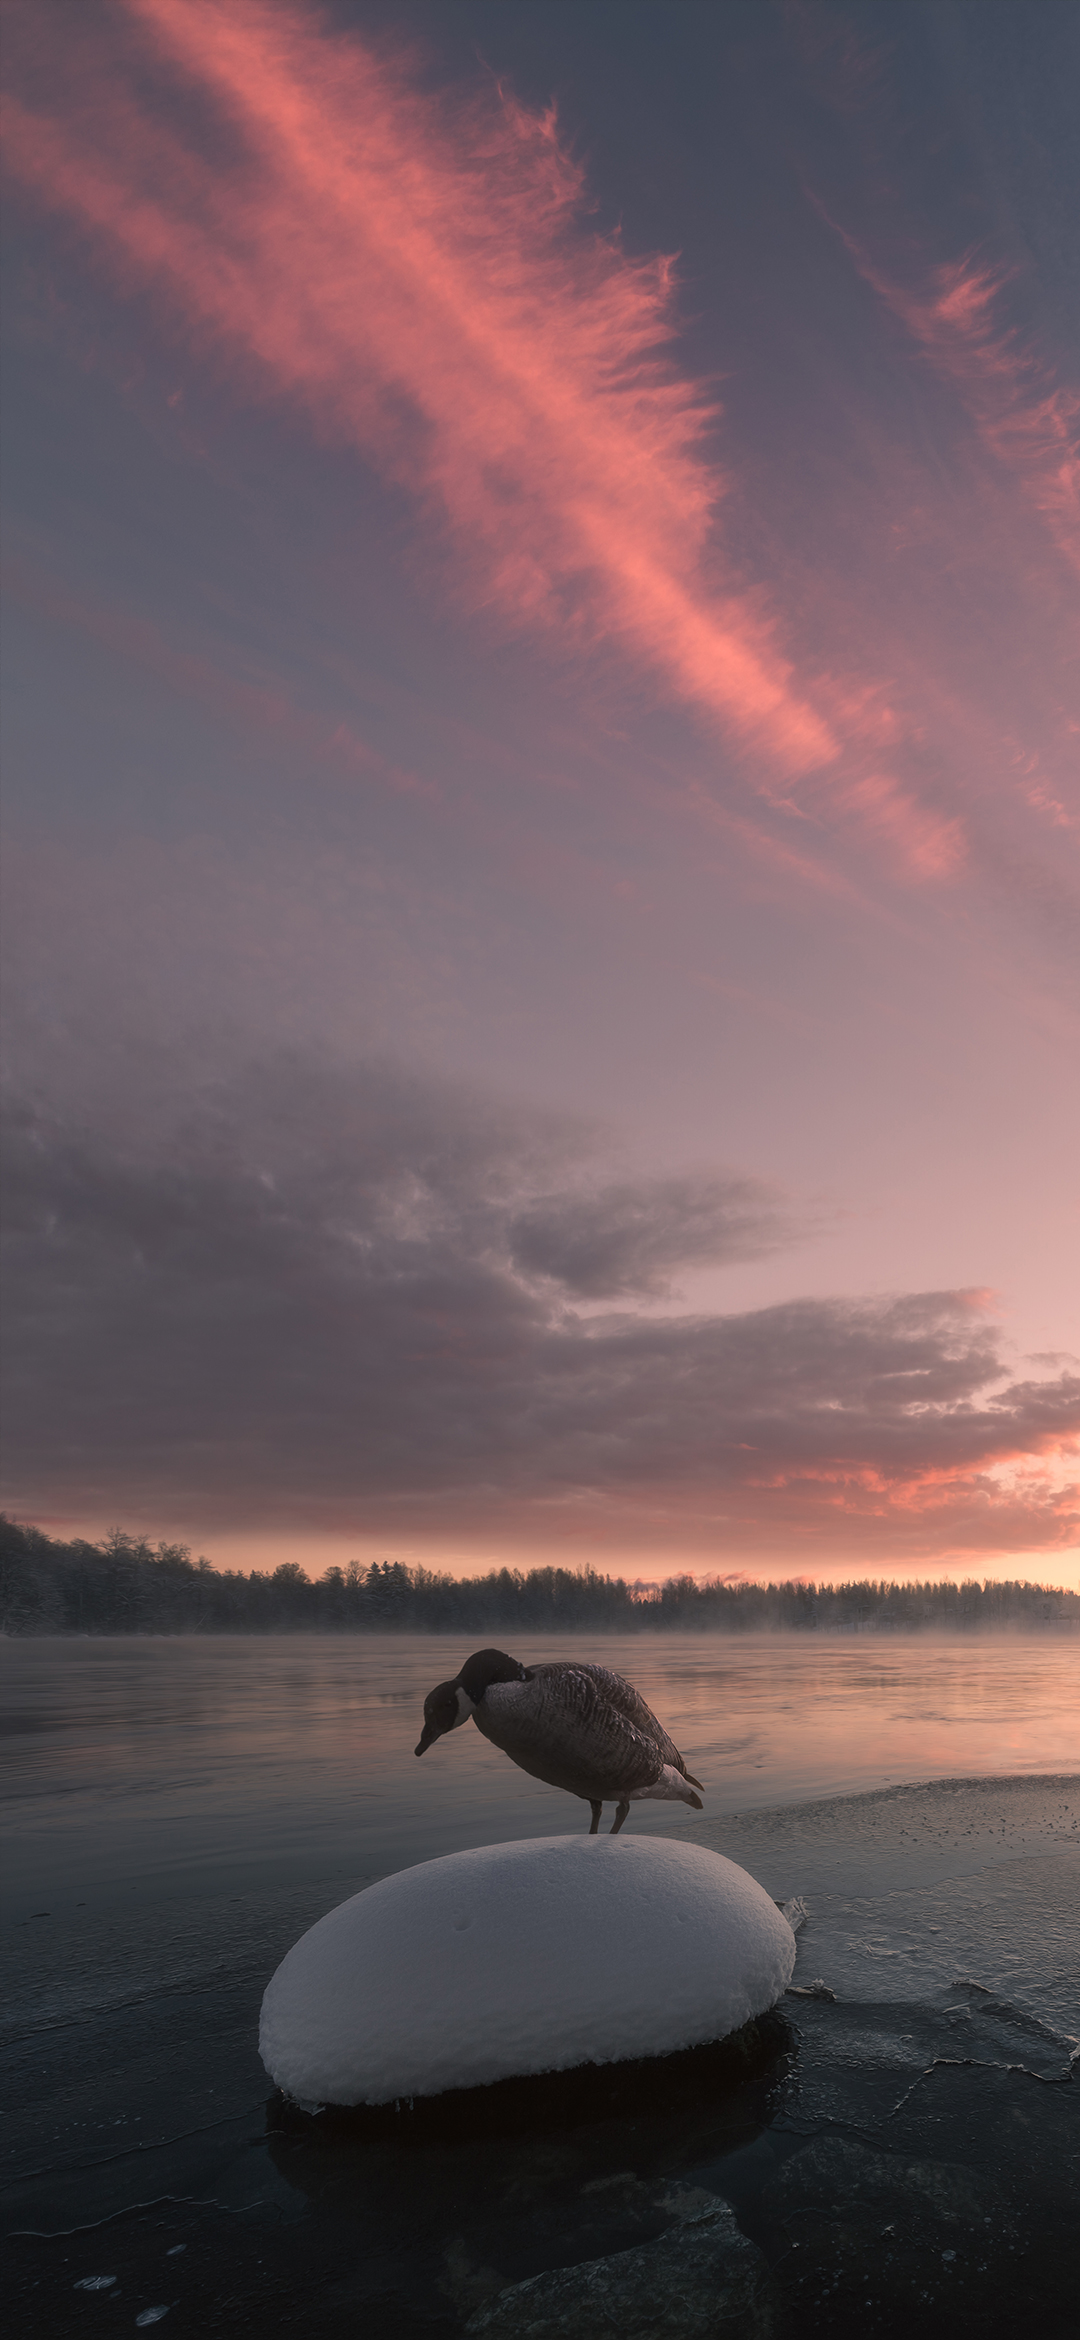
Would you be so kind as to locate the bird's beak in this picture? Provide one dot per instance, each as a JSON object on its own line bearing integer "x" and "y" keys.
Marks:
{"x": 428, "y": 1735}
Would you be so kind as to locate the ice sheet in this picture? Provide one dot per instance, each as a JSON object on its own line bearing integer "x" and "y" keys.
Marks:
{"x": 911, "y": 1890}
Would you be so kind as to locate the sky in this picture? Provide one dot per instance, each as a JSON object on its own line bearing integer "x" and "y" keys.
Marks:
{"x": 542, "y": 734}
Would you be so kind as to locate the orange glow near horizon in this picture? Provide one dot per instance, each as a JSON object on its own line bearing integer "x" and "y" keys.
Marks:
{"x": 638, "y": 1564}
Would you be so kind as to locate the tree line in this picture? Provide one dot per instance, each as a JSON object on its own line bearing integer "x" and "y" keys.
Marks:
{"x": 126, "y": 1585}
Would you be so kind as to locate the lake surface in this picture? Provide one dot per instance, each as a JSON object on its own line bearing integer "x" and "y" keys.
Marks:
{"x": 177, "y": 1812}
{"x": 143, "y": 1768}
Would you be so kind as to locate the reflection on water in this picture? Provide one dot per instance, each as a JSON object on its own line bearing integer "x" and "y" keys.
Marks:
{"x": 203, "y": 1764}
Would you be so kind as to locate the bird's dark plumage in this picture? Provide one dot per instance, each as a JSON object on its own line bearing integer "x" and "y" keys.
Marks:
{"x": 578, "y": 1727}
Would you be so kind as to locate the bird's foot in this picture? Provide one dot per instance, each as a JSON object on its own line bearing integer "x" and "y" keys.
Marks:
{"x": 621, "y": 1813}
{"x": 596, "y": 1810}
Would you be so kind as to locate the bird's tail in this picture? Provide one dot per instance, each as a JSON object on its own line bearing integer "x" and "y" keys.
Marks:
{"x": 693, "y": 1782}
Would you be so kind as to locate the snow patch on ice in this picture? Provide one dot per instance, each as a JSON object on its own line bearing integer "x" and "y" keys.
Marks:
{"x": 522, "y": 1958}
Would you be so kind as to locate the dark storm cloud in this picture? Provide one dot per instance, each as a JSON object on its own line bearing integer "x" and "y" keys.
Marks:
{"x": 311, "y": 1287}
{"x": 627, "y": 1239}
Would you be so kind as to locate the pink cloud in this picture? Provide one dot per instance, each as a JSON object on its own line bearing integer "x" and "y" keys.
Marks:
{"x": 1024, "y": 419}
{"x": 420, "y": 274}
{"x": 932, "y": 846}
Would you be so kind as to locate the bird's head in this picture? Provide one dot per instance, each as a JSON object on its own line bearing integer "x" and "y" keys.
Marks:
{"x": 444, "y": 1708}
{"x": 451, "y": 1703}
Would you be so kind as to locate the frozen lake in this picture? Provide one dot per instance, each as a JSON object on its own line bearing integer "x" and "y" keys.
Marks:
{"x": 177, "y": 1812}
{"x": 141, "y": 1768}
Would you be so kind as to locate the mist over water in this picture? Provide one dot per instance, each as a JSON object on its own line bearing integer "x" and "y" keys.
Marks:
{"x": 142, "y": 1768}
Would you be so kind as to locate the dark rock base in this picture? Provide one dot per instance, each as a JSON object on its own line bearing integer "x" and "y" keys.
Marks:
{"x": 658, "y": 2085}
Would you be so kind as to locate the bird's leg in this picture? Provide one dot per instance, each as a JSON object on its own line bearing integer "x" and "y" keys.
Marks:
{"x": 621, "y": 1811}
{"x": 596, "y": 1810}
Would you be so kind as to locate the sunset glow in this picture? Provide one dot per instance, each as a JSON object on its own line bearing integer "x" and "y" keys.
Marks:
{"x": 543, "y": 746}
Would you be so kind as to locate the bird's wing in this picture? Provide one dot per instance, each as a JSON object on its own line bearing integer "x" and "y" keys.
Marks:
{"x": 630, "y": 1703}
{"x": 560, "y": 1726}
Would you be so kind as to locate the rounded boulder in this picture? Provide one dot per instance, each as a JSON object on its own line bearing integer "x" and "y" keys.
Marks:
{"x": 522, "y": 1958}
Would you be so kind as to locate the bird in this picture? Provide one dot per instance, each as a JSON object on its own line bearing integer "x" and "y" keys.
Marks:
{"x": 582, "y": 1728}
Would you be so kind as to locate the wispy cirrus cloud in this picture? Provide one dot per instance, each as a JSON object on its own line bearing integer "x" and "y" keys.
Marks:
{"x": 420, "y": 272}
{"x": 954, "y": 304}
{"x": 1024, "y": 418}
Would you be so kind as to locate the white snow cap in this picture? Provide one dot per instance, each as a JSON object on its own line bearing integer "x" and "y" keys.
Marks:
{"x": 519, "y": 1958}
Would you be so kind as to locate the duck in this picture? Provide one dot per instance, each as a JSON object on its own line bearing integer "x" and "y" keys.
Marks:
{"x": 581, "y": 1728}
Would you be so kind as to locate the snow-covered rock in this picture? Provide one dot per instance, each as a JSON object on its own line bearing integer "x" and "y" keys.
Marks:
{"x": 522, "y": 1958}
